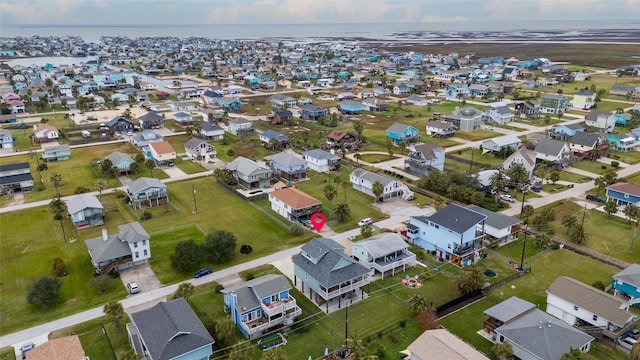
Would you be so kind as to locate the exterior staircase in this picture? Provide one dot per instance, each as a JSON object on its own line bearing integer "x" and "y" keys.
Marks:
{"x": 407, "y": 194}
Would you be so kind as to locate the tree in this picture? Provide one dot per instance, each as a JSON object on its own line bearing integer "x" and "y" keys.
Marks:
{"x": 470, "y": 281}
{"x": 186, "y": 256}
{"x": 220, "y": 246}
{"x": 59, "y": 269}
{"x": 129, "y": 354}
{"x": 106, "y": 167}
{"x": 439, "y": 202}
{"x": 569, "y": 221}
{"x": 578, "y": 234}
{"x": 116, "y": 312}
{"x": 56, "y": 180}
{"x": 402, "y": 145}
{"x": 541, "y": 241}
{"x": 601, "y": 183}
{"x": 224, "y": 328}
{"x": 342, "y": 212}
{"x": 555, "y": 176}
{"x": 419, "y": 303}
{"x": 377, "y": 188}
{"x": 44, "y": 292}
{"x": 518, "y": 174}
{"x": 498, "y": 181}
{"x": 427, "y": 317}
{"x": 139, "y": 159}
{"x": 330, "y": 191}
{"x": 610, "y": 178}
{"x": 100, "y": 186}
{"x": 134, "y": 167}
{"x": 633, "y": 213}
{"x": 366, "y": 231}
{"x": 610, "y": 207}
{"x": 295, "y": 229}
{"x": 59, "y": 207}
{"x": 527, "y": 211}
{"x": 359, "y": 128}
{"x": 337, "y": 180}
{"x": 502, "y": 350}
{"x": 150, "y": 165}
{"x": 185, "y": 290}
{"x": 357, "y": 156}
{"x": 574, "y": 354}
{"x": 543, "y": 170}
{"x": 100, "y": 283}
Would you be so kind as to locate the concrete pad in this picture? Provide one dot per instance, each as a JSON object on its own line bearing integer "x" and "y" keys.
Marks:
{"x": 285, "y": 266}
{"x": 143, "y": 275}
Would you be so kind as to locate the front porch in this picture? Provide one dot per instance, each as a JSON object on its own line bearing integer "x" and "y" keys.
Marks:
{"x": 281, "y": 315}
{"x": 394, "y": 262}
{"x": 338, "y": 296}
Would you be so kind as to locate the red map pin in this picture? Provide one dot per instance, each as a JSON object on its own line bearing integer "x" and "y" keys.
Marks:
{"x": 318, "y": 220}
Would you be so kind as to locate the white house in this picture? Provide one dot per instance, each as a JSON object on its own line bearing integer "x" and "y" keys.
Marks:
{"x": 417, "y": 100}
{"x": 321, "y": 161}
{"x": 601, "y": 120}
{"x": 552, "y": 150}
{"x": 497, "y": 143}
{"x": 199, "y": 148}
{"x": 497, "y": 225}
{"x": 363, "y": 180}
{"x": 524, "y": 157}
{"x": 293, "y": 204}
{"x": 386, "y": 252}
{"x": 498, "y": 115}
{"x": 440, "y": 129}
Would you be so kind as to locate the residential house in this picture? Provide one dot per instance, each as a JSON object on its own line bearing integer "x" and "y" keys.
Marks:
{"x": 162, "y": 153}
{"x": 338, "y": 139}
{"x": 287, "y": 166}
{"x": 528, "y": 109}
{"x": 457, "y": 92}
{"x": 553, "y": 151}
{"x": 496, "y": 225}
{"x": 623, "y": 193}
{"x": 398, "y": 133}
{"x": 466, "y": 119}
{"x": 417, "y": 100}
{"x": 182, "y": 117}
{"x": 566, "y": 131}
{"x": 85, "y": 210}
{"x": 363, "y": 180}
{"x": 553, "y": 104}
{"x": 582, "y": 305}
{"x": 532, "y": 333}
{"x": 498, "y": 143}
{"x": 45, "y": 132}
{"x": 375, "y": 104}
{"x": 584, "y": 99}
{"x": 147, "y": 192}
{"x": 601, "y": 120}
{"x": 622, "y": 142}
{"x": 381, "y": 92}
{"x": 583, "y": 144}
{"x": 401, "y": 89}
{"x": 479, "y": 90}
{"x": 169, "y": 330}
{"x": 455, "y": 233}
{"x": 441, "y": 129}
{"x": 129, "y": 247}
{"x": 269, "y": 136}
{"x": 280, "y": 116}
{"x": 621, "y": 90}
{"x": 230, "y": 104}
{"x": 260, "y": 305}
{"x": 15, "y": 177}
{"x": 64, "y": 348}
{"x": 210, "y": 131}
{"x": 328, "y": 275}
{"x": 151, "y": 120}
{"x": 623, "y": 119}
{"x": 293, "y": 204}
{"x": 498, "y": 115}
{"x": 384, "y": 253}
{"x": 440, "y": 344}
{"x": 321, "y": 161}
{"x": 312, "y": 112}
{"x": 240, "y": 126}
{"x": 524, "y": 157}
{"x": 249, "y": 174}
{"x": 120, "y": 125}
{"x": 351, "y": 107}
{"x": 120, "y": 160}
{"x": 6, "y": 139}
{"x": 145, "y": 138}
{"x": 282, "y": 101}
{"x": 627, "y": 282}
{"x": 424, "y": 158}
{"x": 56, "y": 152}
{"x": 198, "y": 149}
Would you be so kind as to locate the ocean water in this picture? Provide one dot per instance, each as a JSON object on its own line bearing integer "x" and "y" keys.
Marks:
{"x": 257, "y": 31}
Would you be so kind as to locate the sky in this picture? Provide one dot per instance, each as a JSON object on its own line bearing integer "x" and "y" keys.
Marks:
{"x": 147, "y": 12}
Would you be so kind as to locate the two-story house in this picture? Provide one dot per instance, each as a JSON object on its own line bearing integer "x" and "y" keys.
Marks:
{"x": 249, "y": 174}
{"x": 312, "y": 112}
{"x": 498, "y": 226}
{"x": 552, "y": 150}
{"x": 240, "y": 126}
{"x": 261, "y": 305}
{"x": 162, "y": 153}
{"x": 199, "y": 149}
{"x": 584, "y": 99}
{"x": 455, "y": 233}
{"x": 15, "y": 177}
{"x": 601, "y": 120}
{"x": 363, "y": 180}
{"x": 524, "y": 157}
{"x": 498, "y": 143}
{"x": 270, "y": 137}
{"x": 151, "y": 120}
{"x": 583, "y": 144}
{"x": 627, "y": 282}
{"x": 6, "y": 139}
{"x": 384, "y": 253}
{"x": 622, "y": 142}
{"x": 281, "y": 101}
{"x": 553, "y": 104}
{"x": 528, "y": 109}
{"x": 287, "y": 166}
{"x": 623, "y": 193}
{"x": 147, "y": 192}
{"x": 498, "y": 115}
{"x": 45, "y": 132}
{"x": 441, "y": 129}
{"x": 338, "y": 139}
{"x": 293, "y": 204}
{"x": 56, "y": 152}
{"x": 398, "y": 133}
{"x": 327, "y": 275}
{"x": 211, "y": 131}
{"x": 321, "y": 161}
{"x": 85, "y": 210}
{"x": 145, "y": 138}
{"x": 120, "y": 125}
{"x": 566, "y": 131}
{"x": 466, "y": 119}
{"x": 129, "y": 247}
{"x": 425, "y": 158}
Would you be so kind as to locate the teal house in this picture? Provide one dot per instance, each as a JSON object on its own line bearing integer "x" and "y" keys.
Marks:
{"x": 398, "y": 133}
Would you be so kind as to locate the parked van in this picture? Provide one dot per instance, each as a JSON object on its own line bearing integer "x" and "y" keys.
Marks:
{"x": 364, "y": 222}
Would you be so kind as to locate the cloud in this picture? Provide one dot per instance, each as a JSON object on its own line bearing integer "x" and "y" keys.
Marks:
{"x": 441, "y": 19}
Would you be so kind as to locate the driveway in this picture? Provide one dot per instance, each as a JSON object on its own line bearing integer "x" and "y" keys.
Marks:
{"x": 173, "y": 171}
{"x": 143, "y": 275}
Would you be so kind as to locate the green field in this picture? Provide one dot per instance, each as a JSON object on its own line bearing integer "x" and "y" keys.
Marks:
{"x": 594, "y": 167}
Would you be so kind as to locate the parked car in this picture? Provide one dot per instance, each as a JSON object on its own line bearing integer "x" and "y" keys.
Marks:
{"x": 599, "y": 199}
{"x": 364, "y": 222}
{"x": 570, "y": 186}
{"x": 203, "y": 272}
{"x": 26, "y": 347}
{"x": 535, "y": 189}
{"x": 627, "y": 342}
{"x": 634, "y": 333}
{"x": 133, "y": 287}
{"x": 507, "y": 198}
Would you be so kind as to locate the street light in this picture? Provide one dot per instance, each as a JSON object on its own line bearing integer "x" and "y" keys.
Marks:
{"x": 524, "y": 243}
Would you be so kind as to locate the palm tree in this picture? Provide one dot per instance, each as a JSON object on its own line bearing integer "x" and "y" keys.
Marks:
{"x": 377, "y": 188}
{"x": 330, "y": 192}
{"x": 100, "y": 186}
{"x": 518, "y": 174}
{"x": 498, "y": 181}
{"x": 150, "y": 165}
{"x": 610, "y": 207}
{"x": 419, "y": 303}
{"x": 275, "y": 353}
{"x": 366, "y": 231}
{"x": 56, "y": 180}
{"x": 185, "y": 290}
{"x": 633, "y": 213}
{"x": 574, "y": 354}
{"x": 439, "y": 202}
{"x": 502, "y": 350}
{"x": 359, "y": 128}
{"x": 357, "y": 156}
{"x": 569, "y": 221}
{"x": 600, "y": 183}
{"x": 541, "y": 241}
{"x": 337, "y": 180}
{"x": 527, "y": 211}
{"x": 543, "y": 170}
{"x": 116, "y": 312}
{"x": 59, "y": 206}
{"x": 342, "y": 211}
{"x": 224, "y": 328}
{"x": 402, "y": 145}
{"x": 578, "y": 235}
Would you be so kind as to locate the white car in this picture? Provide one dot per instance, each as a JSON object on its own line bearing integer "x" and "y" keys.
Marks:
{"x": 133, "y": 288}
{"x": 507, "y": 198}
{"x": 364, "y": 222}
{"x": 627, "y": 342}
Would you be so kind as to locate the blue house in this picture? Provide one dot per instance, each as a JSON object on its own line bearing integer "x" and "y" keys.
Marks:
{"x": 351, "y": 107}
{"x": 627, "y": 281}
{"x": 397, "y": 133}
{"x": 623, "y": 193}
{"x": 120, "y": 160}
{"x": 261, "y": 304}
{"x": 287, "y": 166}
{"x": 454, "y": 233}
{"x": 233, "y": 105}
{"x": 622, "y": 119}
{"x": 6, "y": 139}
{"x": 565, "y": 132}
{"x": 312, "y": 112}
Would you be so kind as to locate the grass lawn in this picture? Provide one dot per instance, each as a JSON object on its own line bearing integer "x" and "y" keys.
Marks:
{"x": 478, "y": 156}
{"x": 629, "y": 157}
{"x": 188, "y": 166}
{"x": 594, "y": 167}
{"x": 573, "y": 177}
{"x": 539, "y": 122}
{"x": 605, "y": 105}
{"x": 95, "y": 342}
{"x": 376, "y": 158}
{"x": 476, "y": 135}
{"x": 457, "y": 166}
{"x": 7, "y": 353}
{"x": 551, "y": 188}
{"x": 509, "y": 127}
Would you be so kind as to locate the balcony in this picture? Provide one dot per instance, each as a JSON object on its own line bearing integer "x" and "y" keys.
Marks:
{"x": 344, "y": 288}
{"x": 389, "y": 263}
{"x": 277, "y": 307}
{"x": 260, "y": 325}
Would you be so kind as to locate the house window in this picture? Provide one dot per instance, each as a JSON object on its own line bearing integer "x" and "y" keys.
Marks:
{"x": 135, "y": 244}
{"x": 595, "y": 317}
{"x": 146, "y": 252}
{"x": 144, "y": 242}
{"x": 626, "y": 196}
{"x": 137, "y": 254}
{"x": 575, "y": 307}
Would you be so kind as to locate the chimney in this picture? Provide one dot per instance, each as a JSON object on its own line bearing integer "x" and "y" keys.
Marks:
{"x": 105, "y": 236}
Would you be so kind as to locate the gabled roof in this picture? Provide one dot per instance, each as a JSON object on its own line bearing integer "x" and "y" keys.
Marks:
{"x": 528, "y": 155}
{"x": 398, "y": 128}
{"x": 589, "y": 298}
{"x": 429, "y": 150}
{"x": 286, "y": 159}
{"x": 207, "y": 126}
{"x": 170, "y": 329}
{"x": 238, "y": 120}
{"x": 593, "y": 115}
{"x": 550, "y": 147}
{"x": 295, "y": 198}
{"x": 118, "y": 119}
{"x": 504, "y": 110}
{"x": 162, "y": 147}
{"x": 626, "y": 188}
{"x": 337, "y": 135}
{"x": 64, "y": 348}
{"x": 504, "y": 140}
{"x": 117, "y": 156}
{"x": 329, "y": 265}
{"x": 151, "y": 116}
{"x": 81, "y": 202}
{"x": 509, "y": 309}
{"x": 372, "y": 177}
{"x": 630, "y": 275}
{"x": 320, "y": 154}
{"x": 444, "y": 125}
{"x": 496, "y": 220}
{"x": 270, "y": 134}
{"x": 440, "y": 344}
{"x": 249, "y": 293}
{"x": 312, "y": 108}
{"x": 383, "y": 244}
{"x": 144, "y": 183}
{"x": 245, "y": 166}
{"x": 585, "y": 139}
{"x": 454, "y": 217}
{"x": 543, "y": 335}
{"x": 194, "y": 143}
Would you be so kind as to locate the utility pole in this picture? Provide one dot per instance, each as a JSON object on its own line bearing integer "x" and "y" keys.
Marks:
{"x": 346, "y": 325}
{"x": 195, "y": 204}
{"x": 524, "y": 243}
{"x": 471, "y": 165}
{"x": 524, "y": 195}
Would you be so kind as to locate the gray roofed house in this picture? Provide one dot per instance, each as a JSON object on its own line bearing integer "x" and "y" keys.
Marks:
{"x": 85, "y": 210}
{"x": 321, "y": 161}
{"x": 151, "y": 120}
{"x": 425, "y": 158}
{"x": 552, "y": 150}
{"x": 328, "y": 273}
{"x": 211, "y": 131}
{"x": 524, "y": 157}
{"x": 287, "y": 166}
{"x": 119, "y": 251}
{"x": 627, "y": 281}
{"x": 499, "y": 115}
{"x": 583, "y": 143}
{"x": 363, "y": 180}
{"x": 466, "y": 119}
{"x": 268, "y": 135}
{"x": 147, "y": 192}
{"x": 14, "y": 177}
{"x": 384, "y": 252}
{"x": 249, "y": 174}
{"x": 509, "y": 309}
{"x": 260, "y": 304}
{"x": 146, "y": 137}
{"x": 169, "y": 330}
{"x": 440, "y": 128}
{"x": 200, "y": 149}
{"x": 497, "y": 143}
{"x": 120, "y": 160}
{"x": 456, "y": 218}
{"x": 497, "y": 225}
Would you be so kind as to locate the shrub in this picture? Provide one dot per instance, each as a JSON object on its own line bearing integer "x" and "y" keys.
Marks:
{"x": 146, "y": 215}
{"x": 246, "y": 249}
{"x": 59, "y": 268}
{"x": 120, "y": 194}
{"x": 615, "y": 164}
{"x": 99, "y": 283}
{"x": 43, "y": 167}
{"x": 81, "y": 190}
{"x": 599, "y": 285}
{"x": 45, "y": 291}
{"x": 230, "y": 152}
{"x": 603, "y": 167}
{"x": 295, "y": 229}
